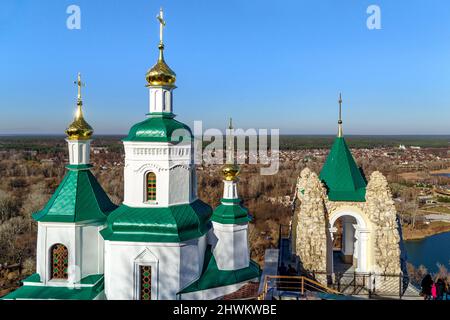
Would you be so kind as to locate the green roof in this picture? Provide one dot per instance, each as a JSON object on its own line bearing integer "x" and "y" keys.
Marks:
{"x": 40, "y": 292}
{"x": 34, "y": 278}
{"x": 169, "y": 224}
{"x": 79, "y": 198}
{"x": 341, "y": 174}
{"x": 231, "y": 213}
{"x": 213, "y": 277}
{"x": 160, "y": 128}
{"x": 91, "y": 279}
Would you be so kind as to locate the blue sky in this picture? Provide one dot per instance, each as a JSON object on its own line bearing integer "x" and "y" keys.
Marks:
{"x": 269, "y": 64}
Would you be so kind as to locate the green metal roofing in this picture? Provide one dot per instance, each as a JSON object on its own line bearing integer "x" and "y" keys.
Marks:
{"x": 56, "y": 293}
{"x": 341, "y": 174}
{"x": 91, "y": 279}
{"x": 213, "y": 277}
{"x": 34, "y": 278}
{"x": 170, "y": 224}
{"x": 79, "y": 198}
{"x": 160, "y": 128}
{"x": 232, "y": 213}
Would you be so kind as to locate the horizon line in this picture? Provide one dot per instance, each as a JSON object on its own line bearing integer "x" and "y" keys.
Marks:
{"x": 284, "y": 134}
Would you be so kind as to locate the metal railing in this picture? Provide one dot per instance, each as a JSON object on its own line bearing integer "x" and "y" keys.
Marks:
{"x": 372, "y": 285}
{"x": 297, "y": 284}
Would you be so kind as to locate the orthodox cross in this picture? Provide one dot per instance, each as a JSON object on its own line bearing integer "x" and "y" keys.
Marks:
{"x": 79, "y": 84}
{"x": 340, "y": 131}
{"x": 162, "y": 24}
{"x": 230, "y": 143}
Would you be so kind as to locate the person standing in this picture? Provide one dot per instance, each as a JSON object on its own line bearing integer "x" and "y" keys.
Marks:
{"x": 440, "y": 289}
{"x": 427, "y": 283}
{"x": 447, "y": 290}
{"x": 433, "y": 291}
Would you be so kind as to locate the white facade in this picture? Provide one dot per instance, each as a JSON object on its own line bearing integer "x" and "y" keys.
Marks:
{"x": 161, "y": 99}
{"x": 230, "y": 190}
{"x": 79, "y": 151}
{"x": 174, "y": 169}
{"x": 169, "y": 271}
{"x": 84, "y": 244}
{"x": 230, "y": 245}
{"x": 230, "y": 241}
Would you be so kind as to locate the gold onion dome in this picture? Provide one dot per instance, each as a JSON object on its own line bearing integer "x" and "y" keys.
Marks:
{"x": 79, "y": 129}
{"x": 161, "y": 74}
{"x": 230, "y": 171}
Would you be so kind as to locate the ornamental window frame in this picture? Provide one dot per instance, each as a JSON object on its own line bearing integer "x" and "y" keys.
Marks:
{"x": 147, "y": 198}
{"x": 146, "y": 259}
{"x": 51, "y": 263}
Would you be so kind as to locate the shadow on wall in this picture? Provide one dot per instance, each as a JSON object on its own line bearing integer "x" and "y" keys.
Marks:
{"x": 403, "y": 256}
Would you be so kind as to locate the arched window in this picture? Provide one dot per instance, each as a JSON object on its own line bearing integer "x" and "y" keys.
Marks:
{"x": 151, "y": 186}
{"x": 145, "y": 290}
{"x": 60, "y": 261}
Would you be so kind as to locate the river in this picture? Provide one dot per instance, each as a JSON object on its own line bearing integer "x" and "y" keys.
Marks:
{"x": 430, "y": 251}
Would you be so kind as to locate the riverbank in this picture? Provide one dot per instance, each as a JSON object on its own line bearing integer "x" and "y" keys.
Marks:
{"x": 425, "y": 231}
{"x": 442, "y": 171}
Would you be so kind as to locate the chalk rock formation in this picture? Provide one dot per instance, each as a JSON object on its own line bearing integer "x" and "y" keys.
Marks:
{"x": 311, "y": 226}
{"x": 381, "y": 211}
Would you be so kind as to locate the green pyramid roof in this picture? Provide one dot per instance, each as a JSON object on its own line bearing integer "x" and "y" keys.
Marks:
{"x": 79, "y": 198}
{"x": 231, "y": 212}
{"x": 341, "y": 174}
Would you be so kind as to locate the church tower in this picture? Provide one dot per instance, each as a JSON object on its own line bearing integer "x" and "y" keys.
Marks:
{"x": 344, "y": 222}
{"x": 69, "y": 246}
{"x": 230, "y": 219}
{"x": 161, "y": 222}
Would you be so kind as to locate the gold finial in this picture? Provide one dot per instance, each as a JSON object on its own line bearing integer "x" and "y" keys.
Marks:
{"x": 79, "y": 129}
{"x": 340, "y": 130}
{"x": 161, "y": 74}
{"x": 230, "y": 170}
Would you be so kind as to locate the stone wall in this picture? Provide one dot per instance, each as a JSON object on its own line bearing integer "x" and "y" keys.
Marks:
{"x": 380, "y": 210}
{"x": 311, "y": 224}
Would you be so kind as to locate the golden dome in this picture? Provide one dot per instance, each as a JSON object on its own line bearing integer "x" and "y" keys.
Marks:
{"x": 230, "y": 171}
{"x": 161, "y": 74}
{"x": 79, "y": 129}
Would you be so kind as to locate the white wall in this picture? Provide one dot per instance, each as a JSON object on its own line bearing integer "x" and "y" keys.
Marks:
{"x": 174, "y": 169}
{"x": 230, "y": 245}
{"x": 174, "y": 266}
{"x": 84, "y": 245}
{"x": 79, "y": 151}
{"x": 160, "y": 99}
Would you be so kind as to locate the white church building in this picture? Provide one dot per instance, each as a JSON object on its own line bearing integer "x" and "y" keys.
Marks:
{"x": 162, "y": 242}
